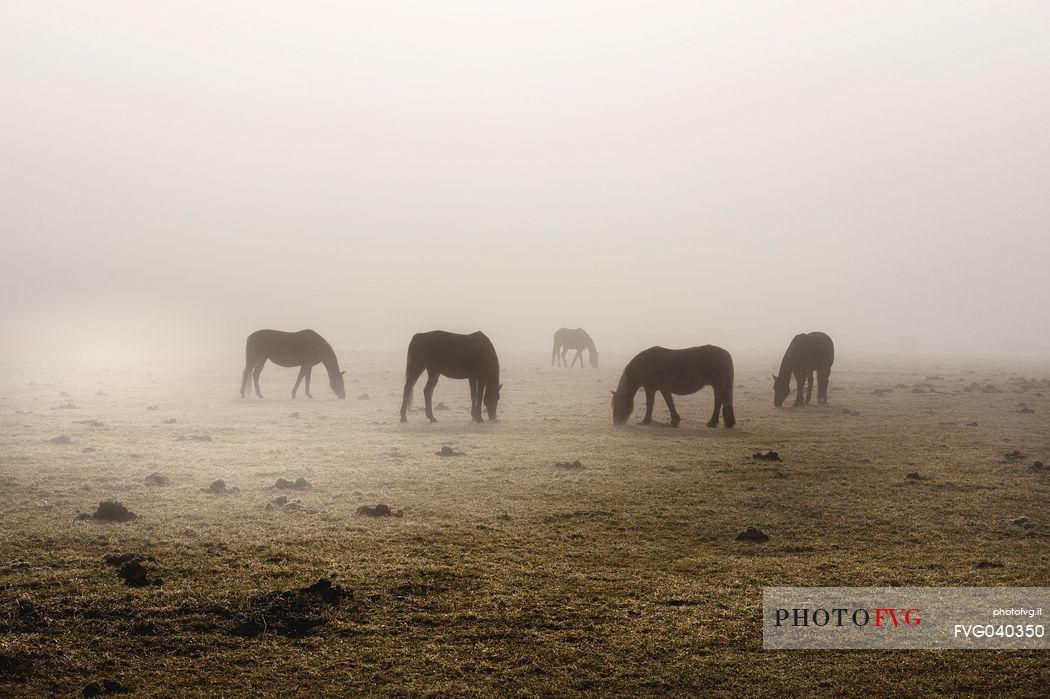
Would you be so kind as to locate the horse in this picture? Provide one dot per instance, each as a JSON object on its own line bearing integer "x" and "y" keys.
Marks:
{"x": 456, "y": 356}
{"x": 303, "y": 349}
{"x": 808, "y": 352}
{"x": 680, "y": 372}
{"x": 566, "y": 339}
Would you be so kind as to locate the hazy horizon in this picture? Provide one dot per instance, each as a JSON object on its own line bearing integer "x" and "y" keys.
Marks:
{"x": 681, "y": 173}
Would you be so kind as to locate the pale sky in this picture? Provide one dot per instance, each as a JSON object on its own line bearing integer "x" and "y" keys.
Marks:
{"x": 176, "y": 175}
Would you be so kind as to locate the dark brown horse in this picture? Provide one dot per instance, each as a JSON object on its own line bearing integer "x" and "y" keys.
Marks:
{"x": 456, "y": 356}
{"x": 808, "y": 352}
{"x": 303, "y": 349}
{"x": 679, "y": 372}
{"x": 566, "y": 339}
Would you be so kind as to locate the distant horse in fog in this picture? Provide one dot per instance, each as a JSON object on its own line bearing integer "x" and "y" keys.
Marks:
{"x": 808, "y": 352}
{"x": 303, "y": 349}
{"x": 456, "y": 356}
{"x": 680, "y": 372}
{"x": 566, "y": 339}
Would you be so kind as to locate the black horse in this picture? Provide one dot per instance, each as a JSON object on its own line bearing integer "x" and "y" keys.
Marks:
{"x": 808, "y": 352}
{"x": 680, "y": 372}
{"x": 303, "y": 349}
{"x": 566, "y": 339}
{"x": 456, "y": 356}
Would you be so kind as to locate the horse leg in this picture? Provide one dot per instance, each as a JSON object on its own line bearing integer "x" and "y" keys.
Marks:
{"x": 411, "y": 376}
{"x": 713, "y": 422}
{"x": 298, "y": 380}
{"x": 727, "y": 405}
{"x": 650, "y": 398}
{"x": 800, "y": 382}
{"x": 822, "y": 385}
{"x": 475, "y": 399}
{"x": 428, "y": 392}
{"x": 245, "y": 378}
{"x": 255, "y": 377}
{"x": 482, "y": 385}
{"x": 809, "y": 387}
{"x": 579, "y": 355}
{"x": 309, "y": 371}
{"x": 564, "y": 354}
{"x": 675, "y": 417}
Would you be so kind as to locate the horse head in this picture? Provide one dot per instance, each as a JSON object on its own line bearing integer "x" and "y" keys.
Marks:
{"x": 336, "y": 382}
{"x": 492, "y": 400}
{"x": 622, "y": 406}
{"x": 781, "y": 388}
{"x": 594, "y": 358}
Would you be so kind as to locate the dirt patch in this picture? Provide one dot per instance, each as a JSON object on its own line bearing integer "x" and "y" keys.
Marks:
{"x": 578, "y": 514}
{"x": 982, "y": 565}
{"x": 1022, "y": 522}
{"x": 17, "y": 564}
{"x": 60, "y": 439}
{"x": 156, "y": 479}
{"x": 1038, "y": 466}
{"x": 851, "y": 413}
{"x": 281, "y": 502}
{"x": 66, "y": 406}
{"x": 448, "y": 451}
{"x": 297, "y": 484}
{"x": 440, "y": 406}
{"x": 1013, "y": 457}
{"x": 753, "y": 534}
{"x": 131, "y": 568}
{"x": 218, "y": 487}
{"x": 767, "y": 456}
{"x": 90, "y": 423}
{"x": 294, "y": 415}
{"x": 14, "y": 665}
{"x": 364, "y": 396}
{"x": 915, "y": 476}
{"x": 170, "y": 421}
{"x": 291, "y": 613}
{"x": 570, "y": 466}
{"x": 105, "y": 688}
{"x": 109, "y": 511}
{"x": 193, "y": 438}
{"x": 379, "y": 510}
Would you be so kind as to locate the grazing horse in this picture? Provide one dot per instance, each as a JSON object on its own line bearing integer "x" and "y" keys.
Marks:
{"x": 681, "y": 372}
{"x": 303, "y": 349}
{"x": 456, "y": 356}
{"x": 808, "y": 352}
{"x": 566, "y": 339}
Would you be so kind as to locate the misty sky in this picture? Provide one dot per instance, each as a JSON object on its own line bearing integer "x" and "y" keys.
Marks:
{"x": 176, "y": 175}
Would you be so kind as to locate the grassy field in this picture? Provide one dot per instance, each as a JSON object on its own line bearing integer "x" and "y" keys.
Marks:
{"x": 504, "y": 574}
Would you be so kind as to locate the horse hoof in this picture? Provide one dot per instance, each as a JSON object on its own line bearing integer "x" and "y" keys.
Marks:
{"x": 433, "y": 419}
{"x": 713, "y": 424}
{"x": 404, "y": 419}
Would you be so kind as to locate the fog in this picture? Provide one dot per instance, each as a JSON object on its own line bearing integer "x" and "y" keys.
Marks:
{"x": 175, "y": 176}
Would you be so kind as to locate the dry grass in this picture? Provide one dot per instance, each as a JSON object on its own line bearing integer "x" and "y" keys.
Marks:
{"x": 505, "y": 574}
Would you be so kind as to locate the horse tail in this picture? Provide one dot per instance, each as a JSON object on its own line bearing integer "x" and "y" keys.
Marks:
{"x": 413, "y": 350}
{"x": 249, "y": 350}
